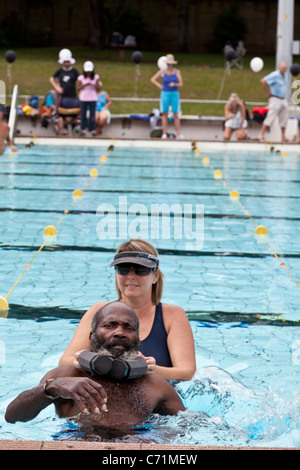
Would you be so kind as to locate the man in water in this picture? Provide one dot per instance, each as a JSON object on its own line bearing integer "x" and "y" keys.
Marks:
{"x": 98, "y": 401}
{"x": 4, "y": 134}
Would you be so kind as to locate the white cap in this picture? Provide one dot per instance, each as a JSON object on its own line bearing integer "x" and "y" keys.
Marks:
{"x": 88, "y": 66}
{"x": 65, "y": 55}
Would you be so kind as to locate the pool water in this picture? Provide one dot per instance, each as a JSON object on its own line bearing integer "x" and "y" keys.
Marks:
{"x": 242, "y": 301}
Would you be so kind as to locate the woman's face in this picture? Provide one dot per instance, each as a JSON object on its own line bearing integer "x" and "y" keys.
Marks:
{"x": 133, "y": 285}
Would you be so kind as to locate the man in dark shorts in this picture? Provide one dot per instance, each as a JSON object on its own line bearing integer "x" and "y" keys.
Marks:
{"x": 64, "y": 83}
{"x": 102, "y": 402}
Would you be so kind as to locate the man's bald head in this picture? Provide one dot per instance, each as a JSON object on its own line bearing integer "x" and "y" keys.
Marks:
{"x": 282, "y": 67}
{"x": 113, "y": 307}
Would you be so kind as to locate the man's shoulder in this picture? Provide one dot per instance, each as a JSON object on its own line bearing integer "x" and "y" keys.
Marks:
{"x": 156, "y": 381}
{"x": 272, "y": 76}
{"x": 75, "y": 72}
{"x": 57, "y": 73}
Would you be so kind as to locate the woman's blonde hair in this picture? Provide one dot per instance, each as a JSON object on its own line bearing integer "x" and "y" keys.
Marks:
{"x": 136, "y": 244}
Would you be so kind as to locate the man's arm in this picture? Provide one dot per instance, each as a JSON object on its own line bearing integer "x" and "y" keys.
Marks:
{"x": 266, "y": 86}
{"x": 27, "y": 405}
{"x": 58, "y": 386}
{"x": 56, "y": 85}
{"x": 170, "y": 402}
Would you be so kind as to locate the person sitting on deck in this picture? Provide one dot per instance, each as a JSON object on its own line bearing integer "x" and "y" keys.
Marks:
{"x": 235, "y": 118}
{"x": 102, "y": 402}
{"x": 103, "y": 115}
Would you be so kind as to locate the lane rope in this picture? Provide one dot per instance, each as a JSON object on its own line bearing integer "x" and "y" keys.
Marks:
{"x": 50, "y": 232}
{"x": 260, "y": 230}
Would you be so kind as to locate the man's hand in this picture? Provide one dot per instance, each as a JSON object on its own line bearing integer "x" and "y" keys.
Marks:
{"x": 89, "y": 395}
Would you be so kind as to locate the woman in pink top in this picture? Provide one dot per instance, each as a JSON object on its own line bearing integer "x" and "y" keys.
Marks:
{"x": 88, "y": 87}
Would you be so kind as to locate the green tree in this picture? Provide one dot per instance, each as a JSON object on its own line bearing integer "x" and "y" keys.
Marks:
{"x": 230, "y": 27}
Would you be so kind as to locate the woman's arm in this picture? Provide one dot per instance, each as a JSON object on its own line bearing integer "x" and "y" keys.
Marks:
{"x": 226, "y": 112}
{"x": 81, "y": 338}
{"x": 98, "y": 85}
{"x": 229, "y": 113}
{"x": 180, "y": 81}
{"x": 79, "y": 83}
{"x": 154, "y": 79}
{"x": 180, "y": 343}
{"x": 108, "y": 101}
{"x": 243, "y": 113}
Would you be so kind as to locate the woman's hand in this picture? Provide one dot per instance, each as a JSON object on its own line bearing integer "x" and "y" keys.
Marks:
{"x": 151, "y": 363}
{"x": 76, "y": 355}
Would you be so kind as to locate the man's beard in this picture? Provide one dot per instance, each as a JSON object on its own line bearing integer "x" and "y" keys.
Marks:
{"x": 110, "y": 348}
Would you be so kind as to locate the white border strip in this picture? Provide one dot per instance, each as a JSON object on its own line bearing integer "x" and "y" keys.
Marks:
{"x": 157, "y": 143}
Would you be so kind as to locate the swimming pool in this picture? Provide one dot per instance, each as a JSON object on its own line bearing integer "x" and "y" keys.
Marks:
{"x": 241, "y": 301}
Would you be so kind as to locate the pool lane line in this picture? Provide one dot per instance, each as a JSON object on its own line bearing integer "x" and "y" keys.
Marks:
{"x": 260, "y": 230}
{"x": 3, "y": 300}
{"x": 282, "y": 264}
{"x": 50, "y": 232}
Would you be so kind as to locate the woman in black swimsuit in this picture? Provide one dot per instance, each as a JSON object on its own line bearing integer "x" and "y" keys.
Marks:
{"x": 166, "y": 337}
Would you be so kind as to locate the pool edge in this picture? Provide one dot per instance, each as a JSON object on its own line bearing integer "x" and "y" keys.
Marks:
{"x": 156, "y": 143}
{"x": 110, "y": 446}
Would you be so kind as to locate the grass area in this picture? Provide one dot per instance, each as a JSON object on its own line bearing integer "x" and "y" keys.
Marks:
{"x": 202, "y": 76}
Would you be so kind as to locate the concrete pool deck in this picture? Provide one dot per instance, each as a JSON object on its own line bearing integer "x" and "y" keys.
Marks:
{"x": 107, "y": 446}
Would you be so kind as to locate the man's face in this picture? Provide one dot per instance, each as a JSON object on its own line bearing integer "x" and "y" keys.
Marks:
{"x": 116, "y": 333}
{"x": 67, "y": 64}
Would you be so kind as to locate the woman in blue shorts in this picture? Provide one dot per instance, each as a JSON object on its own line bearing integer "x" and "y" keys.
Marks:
{"x": 169, "y": 96}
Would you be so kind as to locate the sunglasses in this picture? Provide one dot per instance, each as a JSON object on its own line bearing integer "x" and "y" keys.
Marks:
{"x": 138, "y": 270}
